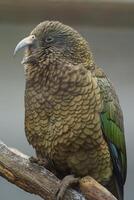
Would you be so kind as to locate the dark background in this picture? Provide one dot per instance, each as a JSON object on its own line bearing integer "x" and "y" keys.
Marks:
{"x": 109, "y": 30}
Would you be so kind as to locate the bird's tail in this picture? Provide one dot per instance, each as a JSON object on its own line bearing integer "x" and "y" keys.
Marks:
{"x": 116, "y": 188}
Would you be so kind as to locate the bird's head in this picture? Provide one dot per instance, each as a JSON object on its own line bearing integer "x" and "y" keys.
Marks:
{"x": 52, "y": 40}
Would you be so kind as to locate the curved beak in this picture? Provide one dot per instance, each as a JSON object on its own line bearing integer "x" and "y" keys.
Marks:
{"x": 26, "y": 42}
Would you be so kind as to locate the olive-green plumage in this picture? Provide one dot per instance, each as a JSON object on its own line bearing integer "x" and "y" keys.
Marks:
{"x": 72, "y": 113}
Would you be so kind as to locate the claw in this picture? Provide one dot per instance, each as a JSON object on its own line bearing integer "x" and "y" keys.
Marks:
{"x": 65, "y": 183}
{"x": 43, "y": 163}
{"x": 39, "y": 161}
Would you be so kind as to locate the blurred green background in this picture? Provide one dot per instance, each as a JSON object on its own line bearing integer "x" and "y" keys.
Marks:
{"x": 109, "y": 28}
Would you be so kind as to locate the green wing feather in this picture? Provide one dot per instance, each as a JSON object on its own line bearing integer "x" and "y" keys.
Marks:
{"x": 116, "y": 136}
{"x": 112, "y": 124}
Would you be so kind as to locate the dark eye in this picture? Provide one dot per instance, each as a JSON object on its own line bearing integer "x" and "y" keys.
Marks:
{"x": 49, "y": 39}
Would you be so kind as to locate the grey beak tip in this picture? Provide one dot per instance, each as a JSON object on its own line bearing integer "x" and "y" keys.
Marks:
{"x": 17, "y": 48}
{"x": 14, "y": 53}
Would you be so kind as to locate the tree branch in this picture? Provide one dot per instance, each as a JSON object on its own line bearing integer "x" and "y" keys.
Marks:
{"x": 17, "y": 169}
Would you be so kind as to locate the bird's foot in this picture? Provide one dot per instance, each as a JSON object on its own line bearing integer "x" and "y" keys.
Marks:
{"x": 43, "y": 162}
{"x": 39, "y": 161}
{"x": 65, "y": 183}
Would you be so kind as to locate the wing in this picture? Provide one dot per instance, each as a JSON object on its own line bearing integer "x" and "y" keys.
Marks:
{"x": 112, "y": 126}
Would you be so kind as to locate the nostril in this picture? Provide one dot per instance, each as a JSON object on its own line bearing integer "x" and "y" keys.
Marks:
{"x": 33, "y": 36}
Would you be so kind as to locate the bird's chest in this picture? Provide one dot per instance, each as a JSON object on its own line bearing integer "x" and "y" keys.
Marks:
{"x": 43, "y": 119}
{"x": 60, "y": 117}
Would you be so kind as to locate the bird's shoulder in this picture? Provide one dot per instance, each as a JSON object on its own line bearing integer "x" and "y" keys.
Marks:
{"x": 111, "y": 105}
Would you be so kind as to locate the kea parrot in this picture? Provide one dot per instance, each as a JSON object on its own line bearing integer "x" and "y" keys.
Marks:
{"x": 73, "y": 118}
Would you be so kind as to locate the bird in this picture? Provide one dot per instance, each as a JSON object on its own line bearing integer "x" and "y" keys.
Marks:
{"x": 73, "y": 117}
